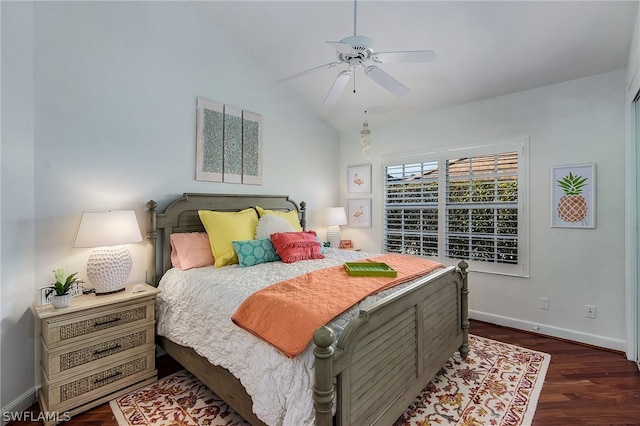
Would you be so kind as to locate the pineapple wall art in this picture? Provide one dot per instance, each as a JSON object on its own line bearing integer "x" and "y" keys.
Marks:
{"x": 573, "y": 196}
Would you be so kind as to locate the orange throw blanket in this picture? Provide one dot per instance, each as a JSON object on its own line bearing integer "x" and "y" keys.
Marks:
{"x": 286, "y": 314}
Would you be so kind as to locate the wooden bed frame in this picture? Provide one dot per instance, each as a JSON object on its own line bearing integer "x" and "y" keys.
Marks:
{"x": 384, "y": 357}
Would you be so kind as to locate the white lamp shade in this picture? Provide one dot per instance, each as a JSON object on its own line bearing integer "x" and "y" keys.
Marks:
{"x": 335, "y": 216}
{"x": 108, "y": 267}
{"x": 110, "y": 228}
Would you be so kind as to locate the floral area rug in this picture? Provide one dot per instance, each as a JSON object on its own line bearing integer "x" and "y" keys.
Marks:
{"x": 176, "y": 400}
{"x": 498, "y": 384}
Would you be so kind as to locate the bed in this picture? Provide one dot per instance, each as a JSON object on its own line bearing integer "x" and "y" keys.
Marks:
{"x": 389, "y": 346}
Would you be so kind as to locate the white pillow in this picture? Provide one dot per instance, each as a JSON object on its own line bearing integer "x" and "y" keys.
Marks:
{"x": 270, "y": 224}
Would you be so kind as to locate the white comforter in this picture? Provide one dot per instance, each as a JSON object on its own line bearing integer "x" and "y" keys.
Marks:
{"x": 194, "y": 309}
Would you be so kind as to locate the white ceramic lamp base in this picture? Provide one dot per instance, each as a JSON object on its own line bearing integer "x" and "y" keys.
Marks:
{"x": 333, "y": 236}
{"x": 108, "y": 268}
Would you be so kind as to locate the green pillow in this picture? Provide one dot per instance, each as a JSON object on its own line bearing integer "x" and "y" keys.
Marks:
{"x": 254, "y": 252}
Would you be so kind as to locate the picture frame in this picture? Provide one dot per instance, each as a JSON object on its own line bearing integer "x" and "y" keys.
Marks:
{"x": 359, "y": 212}
{"x": 573, "y": 196}
{"x": 76, "y": 289}
{"x": 209, "y": 140}
{"x": 359, "y": 179}
{"x": 228, "y": 143}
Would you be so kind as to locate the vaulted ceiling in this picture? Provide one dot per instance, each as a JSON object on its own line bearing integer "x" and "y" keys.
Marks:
{"x": 484, "y": 48}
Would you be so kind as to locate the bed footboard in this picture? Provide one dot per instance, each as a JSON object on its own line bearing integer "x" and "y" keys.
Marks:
{"x": 387, "y": 355}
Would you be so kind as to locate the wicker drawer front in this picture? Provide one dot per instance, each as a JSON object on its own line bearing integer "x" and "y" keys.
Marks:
{"x": 78, "y": 390}
{"x": 68, "y": 329}
{"x": 74, "y": 359}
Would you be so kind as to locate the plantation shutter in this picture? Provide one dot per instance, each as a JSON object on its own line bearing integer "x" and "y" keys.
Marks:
{"x": 411, "y": 209}
{"x": 462, "y": 203}
{"x": 482, "y": 208}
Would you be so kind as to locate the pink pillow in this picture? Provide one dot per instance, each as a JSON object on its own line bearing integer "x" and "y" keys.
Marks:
{"x": 190, "y": 250}
{"x": 295, "y": 246}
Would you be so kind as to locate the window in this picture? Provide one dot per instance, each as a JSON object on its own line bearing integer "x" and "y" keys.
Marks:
{"x": 411, "y": 209}
{"x": 460, "y": 204}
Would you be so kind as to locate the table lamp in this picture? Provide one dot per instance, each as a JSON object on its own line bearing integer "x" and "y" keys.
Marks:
{"x": 334, "y": 217}
{"x": 110, "y": 264}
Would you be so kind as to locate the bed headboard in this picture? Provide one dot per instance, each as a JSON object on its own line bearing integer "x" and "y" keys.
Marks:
{"x": 181, "y": 215}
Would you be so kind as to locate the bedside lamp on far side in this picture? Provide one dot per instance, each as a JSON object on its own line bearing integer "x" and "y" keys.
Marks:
{"x": 334, "y": 217}
{"x": 110, "y": 264}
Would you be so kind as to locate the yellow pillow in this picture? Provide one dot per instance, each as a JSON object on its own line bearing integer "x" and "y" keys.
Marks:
{"x": 290, "y": 216}
{"x": 225, "y": 227}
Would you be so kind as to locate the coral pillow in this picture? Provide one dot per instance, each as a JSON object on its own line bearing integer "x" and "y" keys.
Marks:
{"x": 190, "y": 250}
{"x": 295, "y": 246}
{"x": 225, "y": 227}
{"x": 290, "y": 216}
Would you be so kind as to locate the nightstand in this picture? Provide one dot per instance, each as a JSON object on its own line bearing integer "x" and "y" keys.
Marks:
{"x": 96, "y": 349}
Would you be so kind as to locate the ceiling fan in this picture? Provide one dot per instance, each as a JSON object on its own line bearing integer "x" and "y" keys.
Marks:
{"x": 357, "y": 51}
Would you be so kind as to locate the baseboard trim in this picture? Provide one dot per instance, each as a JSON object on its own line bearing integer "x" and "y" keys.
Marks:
{"x": 548, "y": 330}
{"x": 18, "y": 407}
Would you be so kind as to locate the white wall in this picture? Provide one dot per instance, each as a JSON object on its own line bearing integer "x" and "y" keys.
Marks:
{"x": 98, "y": 112}
{"x": 580, "y": 121}
{"x": 17, "y": 359}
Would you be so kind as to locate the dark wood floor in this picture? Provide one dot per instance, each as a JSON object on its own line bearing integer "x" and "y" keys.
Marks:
{"x": 583, "y": 386}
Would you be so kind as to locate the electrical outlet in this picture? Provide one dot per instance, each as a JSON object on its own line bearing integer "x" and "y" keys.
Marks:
{"x": 591, "y": 311}
{"x": 544, "y": 303}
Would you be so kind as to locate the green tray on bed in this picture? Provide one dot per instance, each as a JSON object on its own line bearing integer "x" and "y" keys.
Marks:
{"x": 370, "y": 269}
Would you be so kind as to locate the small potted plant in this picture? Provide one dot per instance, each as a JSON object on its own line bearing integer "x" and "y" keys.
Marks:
{"x": 59, "y": 290}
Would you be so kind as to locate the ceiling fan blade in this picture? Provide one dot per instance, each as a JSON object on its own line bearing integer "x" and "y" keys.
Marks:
{"x": 415, "y": 56}
{"x": 386, "y": 81}
{"x": 310, "y": 70}
{"x": 341, "y": 47}
{"x": 338, "y": 86}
